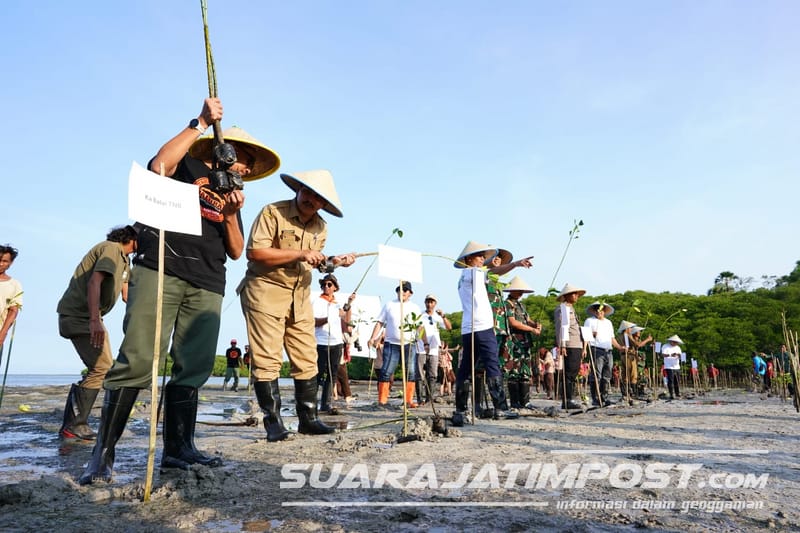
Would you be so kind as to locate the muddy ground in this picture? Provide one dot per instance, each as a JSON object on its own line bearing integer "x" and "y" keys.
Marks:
{"x": 725, "y": 460}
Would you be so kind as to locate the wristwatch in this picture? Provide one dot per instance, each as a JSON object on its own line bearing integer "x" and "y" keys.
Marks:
{"x": 195, "y": 124}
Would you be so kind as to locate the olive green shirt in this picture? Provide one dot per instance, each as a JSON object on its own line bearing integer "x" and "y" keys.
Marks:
{"x": 107, "y": 257}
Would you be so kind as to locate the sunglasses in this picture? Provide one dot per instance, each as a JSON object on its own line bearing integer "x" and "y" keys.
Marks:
{"x": 430, "y": 320}
{"x": 328, "y": 284}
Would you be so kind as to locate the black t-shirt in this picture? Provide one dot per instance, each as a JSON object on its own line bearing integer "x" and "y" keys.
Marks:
{"x": 199, "y": 260}
{"x": 232, "y": 355}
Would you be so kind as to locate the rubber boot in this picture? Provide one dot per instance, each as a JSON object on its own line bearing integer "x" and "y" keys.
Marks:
{"x": 327, "y": 394}
{"x": 268, "y": 395}
{"x": 513, "y": 393}
{"x": 481, "y": 409}
{"x": 593, "y": 389}
{"x": 305, "y": 395}
{"x": 180, "y": 418}
{"x": 411, "y": 386}
{"x": 568, "y": 402}
{"x": 117, "y": 406}
{"x": 76, "y": 413}
{"x": 462, "y": 399}
{"x": 498, "y": 394}
{"x": 524, "y": 393}
{"x": 419, "y": 390}
{"x": 383, "y": 392}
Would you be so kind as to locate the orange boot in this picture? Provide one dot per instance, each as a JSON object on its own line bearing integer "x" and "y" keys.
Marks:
{"x": 411, "y": 388}
{"x": 383, "y": 392}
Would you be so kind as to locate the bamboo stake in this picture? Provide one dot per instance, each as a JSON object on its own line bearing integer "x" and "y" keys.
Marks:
{"x": 151, "y": 445}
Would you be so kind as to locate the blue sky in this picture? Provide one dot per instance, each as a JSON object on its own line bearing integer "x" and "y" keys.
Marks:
{"x": 670, "y": 128}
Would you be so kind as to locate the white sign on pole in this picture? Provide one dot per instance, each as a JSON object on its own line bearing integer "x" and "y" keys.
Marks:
{"x": 399, "y": 264}
{"x": 163, "y": 203}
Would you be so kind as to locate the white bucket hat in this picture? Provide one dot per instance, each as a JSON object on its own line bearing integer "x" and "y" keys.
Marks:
{"x": 569, "y": 289}
{"x": 608, "y": 308}
{"x": 675, "y": 338}
{"x": 266, "y": 159}
{"x": 472, "y": 248}
{"x": 637, "y": 329}
{"x": 518, "y": 285}
{"x": 319, "y": 181}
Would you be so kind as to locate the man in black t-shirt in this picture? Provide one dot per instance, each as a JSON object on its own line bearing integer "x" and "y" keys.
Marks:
{"x": 193, "y": 287}
{"x": 233, "y": 356}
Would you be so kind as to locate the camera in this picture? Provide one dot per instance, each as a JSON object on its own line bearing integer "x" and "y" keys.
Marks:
{"x": 222, "y": 178}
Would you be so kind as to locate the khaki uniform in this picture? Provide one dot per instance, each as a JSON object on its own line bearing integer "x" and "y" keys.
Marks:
{"x": 276, "y": 301}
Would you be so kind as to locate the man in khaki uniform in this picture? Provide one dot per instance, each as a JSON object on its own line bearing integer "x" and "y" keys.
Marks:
{"x": 285, "y": 244}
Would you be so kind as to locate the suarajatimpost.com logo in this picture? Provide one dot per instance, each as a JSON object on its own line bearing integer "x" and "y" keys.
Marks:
{"x": 596, "y": 470}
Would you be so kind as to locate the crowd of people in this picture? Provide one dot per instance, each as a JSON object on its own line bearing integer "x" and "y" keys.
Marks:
{"x": 494, "y": 368}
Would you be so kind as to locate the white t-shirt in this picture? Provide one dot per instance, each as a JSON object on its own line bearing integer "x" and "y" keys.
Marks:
{"x": 391, "y": 320}
{"x": 472, "y": 291}
{"x": 10, "y": 296}
{"x": 672, "y": 357}
{"x": 330, "y": 333}
{"x": 603, "y": 332}
{"x": 431, "y": 323}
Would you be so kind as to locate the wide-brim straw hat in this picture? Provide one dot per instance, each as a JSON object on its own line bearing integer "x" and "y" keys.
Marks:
{"x": 607, "y": 307}
{"x": 266, "y": 161}
{"x": 319, "y": 181}
{"x": 569, "y": 289}
{"x": 517, "y": 284}
{"x": 625, "y": 325}
{"x": 472, "y": 248}
{"x": 504, "y": 255}
{"x": 675, "y": 338}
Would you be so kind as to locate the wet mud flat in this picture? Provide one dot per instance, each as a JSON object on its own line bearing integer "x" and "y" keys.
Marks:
{"x": 719, "y": 461}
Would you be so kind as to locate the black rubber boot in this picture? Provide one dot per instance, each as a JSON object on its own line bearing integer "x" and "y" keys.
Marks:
{"x": 462, "y": 401}
{"x": 568, "y": 402}
{"x": 513, "y": 393}
{"x": 305, "y": 395}
{"x": 180, "y": 417}
{"x": 76, "y": 413}
{"x": 117, "y": 406}
{"x": 524, "y": 393}
{"x": 269, "y": 399}
{"x": 498, "y": 394}
{"x": 418, "y": 388}
{"x": 327, "y": 394}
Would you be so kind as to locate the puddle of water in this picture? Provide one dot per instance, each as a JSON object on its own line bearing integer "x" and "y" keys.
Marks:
{"x": 21, "y": 453}
{"x": 235, "y": 525}
{"x": 13, "y": 437}
{"x": 710, "y": 402}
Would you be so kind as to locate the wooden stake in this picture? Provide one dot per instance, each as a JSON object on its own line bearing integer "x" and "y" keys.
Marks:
{"x": 151, "y": 450}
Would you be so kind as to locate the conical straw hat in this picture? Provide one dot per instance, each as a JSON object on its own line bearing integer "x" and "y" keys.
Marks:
{"x": 518, "y": 285}
{"x": 624, "y": 325}
{"x": 569, "y": 289}
{"x": 608, "y": 308}
{"x": 266, "y": 159}
{"x": 319, "y": 181}
{"x": 504, "y": 255}
{"x": 471, "y": 248}
{"x": 675, "y": 338}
